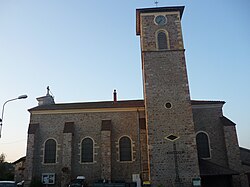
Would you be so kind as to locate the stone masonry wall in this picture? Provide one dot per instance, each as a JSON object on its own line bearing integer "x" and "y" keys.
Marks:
{"x": 29, "y": 160}
{"x": 149, "y": 29}
{"x": 29, "y": 172}
{"x": 106, "y": 150}
{"x": 165, "y": 81}
{"x": 87, "y": 125}
{"x": 233, "y": 155}
{"x": 207, "y": 119}
{"x": 67, "y": 158}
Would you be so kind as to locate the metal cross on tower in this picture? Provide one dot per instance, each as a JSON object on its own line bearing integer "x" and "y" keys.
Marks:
{"x": 173, "y": 138}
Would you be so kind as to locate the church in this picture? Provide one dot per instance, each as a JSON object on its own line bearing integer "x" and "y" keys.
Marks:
{"x": 163, "y": 140}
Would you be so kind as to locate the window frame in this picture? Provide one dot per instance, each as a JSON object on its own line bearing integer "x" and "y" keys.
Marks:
{"x": 81, "y": 151}
{"x": 44, "y": 151}
{"x": 208, "y": 142}
{"x": 131, "y": 150}
{"x": 167, "y": 39}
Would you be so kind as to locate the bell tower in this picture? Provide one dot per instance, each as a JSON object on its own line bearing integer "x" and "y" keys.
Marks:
{"x": 172, "y": 150}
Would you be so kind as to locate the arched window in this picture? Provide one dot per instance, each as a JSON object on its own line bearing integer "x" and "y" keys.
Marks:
{"x": 125, "y": 149}
{"x": 162, "y": 40}
{"x": 87, "y": 150}
{"x": 50, "y": 151}
{"x": 203, "y": 146}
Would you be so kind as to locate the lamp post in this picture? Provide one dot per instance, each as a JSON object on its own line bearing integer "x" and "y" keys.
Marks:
{"x": 1, "y": 119}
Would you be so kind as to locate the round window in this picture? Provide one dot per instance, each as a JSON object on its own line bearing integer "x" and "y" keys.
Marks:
{"x": 168, "y": 105}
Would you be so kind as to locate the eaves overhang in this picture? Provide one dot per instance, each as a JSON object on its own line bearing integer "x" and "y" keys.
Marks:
{"x": 199, "y": 104}
{"x": 86, "y": 107}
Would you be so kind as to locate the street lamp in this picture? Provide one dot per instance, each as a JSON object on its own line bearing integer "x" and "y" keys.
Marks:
{"x": 1, "y": 119}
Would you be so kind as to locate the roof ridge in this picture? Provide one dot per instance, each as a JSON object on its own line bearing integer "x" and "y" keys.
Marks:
{"x": 91, "y": 105}
{"x": 245, "y": 149}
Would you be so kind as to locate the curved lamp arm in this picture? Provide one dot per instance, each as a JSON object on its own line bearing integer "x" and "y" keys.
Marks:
{"x": 1, "y": 119}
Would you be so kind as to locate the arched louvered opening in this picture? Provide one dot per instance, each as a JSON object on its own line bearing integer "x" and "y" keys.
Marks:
{"x": 162, "y": 40}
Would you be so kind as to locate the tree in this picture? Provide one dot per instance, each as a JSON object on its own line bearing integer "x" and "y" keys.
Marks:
{"x": 6, "y": 169}
{"x": 2, "y": 158}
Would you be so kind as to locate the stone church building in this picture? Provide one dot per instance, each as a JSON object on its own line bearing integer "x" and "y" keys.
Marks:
{"x": 165, "y": 139}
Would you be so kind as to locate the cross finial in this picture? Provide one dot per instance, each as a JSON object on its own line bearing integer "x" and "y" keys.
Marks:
{"x": 48, "y": 90}
{"x": 156, "y": 3}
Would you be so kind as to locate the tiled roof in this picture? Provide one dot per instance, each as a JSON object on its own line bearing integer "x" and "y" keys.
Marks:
{"x": 208, "y": 168}
{"x": 91, "y": 105}
{"x": 226, "y": 122}
{"x": 108, "y": 104}
{"x": 245, "y": 156}
{"x": 162, "y": 9}
{"x": 22, "y": 159}
{"x": 203, "y": 102}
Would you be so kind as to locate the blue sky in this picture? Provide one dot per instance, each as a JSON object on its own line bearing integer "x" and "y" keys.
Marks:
{"x": 85, "y": 49}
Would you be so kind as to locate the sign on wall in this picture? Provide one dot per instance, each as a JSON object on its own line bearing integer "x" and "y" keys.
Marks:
{"x": 48, "y": 178}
